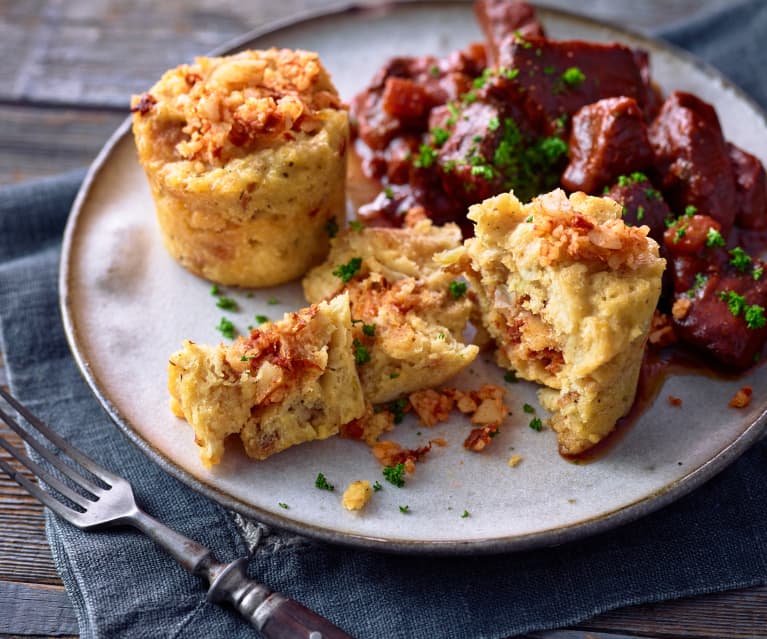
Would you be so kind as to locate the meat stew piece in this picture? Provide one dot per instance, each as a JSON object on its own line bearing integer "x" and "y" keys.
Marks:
{"x": 751, "y": 184}
{"x": 500, "y": 19}
{"x": 692, "y": 161}
{"x": 552, "y": 79}
{"x": 608, "y": 138}
{"x": 720, "y": 295}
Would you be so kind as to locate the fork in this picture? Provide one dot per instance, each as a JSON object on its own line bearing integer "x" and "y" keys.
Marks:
{"x": 113, "y": 504}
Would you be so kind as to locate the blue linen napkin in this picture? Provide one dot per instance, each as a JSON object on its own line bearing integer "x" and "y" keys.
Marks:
{"x": 122, "y": 586}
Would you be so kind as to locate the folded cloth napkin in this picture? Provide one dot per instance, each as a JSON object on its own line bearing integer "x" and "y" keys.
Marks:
{"x": 122, "y": 586}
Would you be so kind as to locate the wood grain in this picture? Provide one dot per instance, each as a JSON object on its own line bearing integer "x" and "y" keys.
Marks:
{"x": 70, "y": 69}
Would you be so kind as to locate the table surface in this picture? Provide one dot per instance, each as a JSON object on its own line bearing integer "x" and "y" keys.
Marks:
{"x": 70, "y": 69}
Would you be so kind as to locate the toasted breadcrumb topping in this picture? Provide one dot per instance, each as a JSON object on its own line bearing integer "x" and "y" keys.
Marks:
{"x": 357, "y": 495}
{"x": 514, "y": 460}
{"x": 661, "y": 330}
{"x": 232, "y": 104}
{"x": 742, "y": 398}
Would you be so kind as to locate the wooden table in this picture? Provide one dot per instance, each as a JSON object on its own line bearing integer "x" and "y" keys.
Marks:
{"x": 69, "y": 67}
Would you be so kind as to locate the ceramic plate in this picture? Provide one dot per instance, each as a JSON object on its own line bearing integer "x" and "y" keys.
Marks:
{"x": 127, "y": 306}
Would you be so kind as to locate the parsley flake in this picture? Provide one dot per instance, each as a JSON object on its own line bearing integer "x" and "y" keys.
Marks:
{"x": 528, "y": 408}
{"x": 215, "y": 291}
{"x": 573, "y": 76}
{"x": 465, "y": 514}
{"x": 735, "y": 302}
{"x": 510, "y": 377}
{"x": 458, "y": 289}
{"x": 397, "y": 409}
{"x": 377, "y": 486}
{"x": 356, "y": 226}
{"x": 700, "y": 282}
{"x": 272, "y": 301}
{"x": 640, "y": 213}
{"x": 426, "y": 156}
{"x": 262, "y": 319}
{"x": 404, "y": 509}
{"x": 226, "y": 303}
{"x": 394, "y": 474}
{"x": 740, "y": 259}
{"x": 754, "y": 316}
{"x": 536, "y": 424}
{"x": 690, "y": 210}
{"x": 282, "y": 504}
{"x": 226, "y": 328}
{"x": 349, "y": 270}
{"x": 322, "y": 483}
{"x": 361, "y": 353}
{"x": 714, "y": 238}
{"x": 758, "y": 272}
{"x": 440, "y": 135}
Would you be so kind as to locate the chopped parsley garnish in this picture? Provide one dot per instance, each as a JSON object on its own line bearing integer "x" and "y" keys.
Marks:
{"x": 528, "y": 409}
{"x": 735, "y": 302}
{"x": 483, "y": 170}
{"x": 458, "y": 289}
{"x": 404, "y": 509}
{"x": 536, "y": 424}
{"x": 549, "y": 70}
{"x": 227, "y": 303}
{"x": 652, "y": 194}
{"x": 465, "y": 514}
{"x": 714, "y": 238}
{"x": 349, "y": 270}
{"x": 740, "y": 259}
{"x": 245, "y": 358}
{"x": 426, "y": 156}
{"x": 640, "y": 213}
{"x": 397, "y": 409}
{"x": 361, "y": 353}
{"x": 493, "y": 123}
{"x": 214, "y": 290}
{"x": 262, "y": 319}
{"x": 700, "y": 282}
{"x": 440, "y": 135}
{"x": 434, "y": 71}
{"x": 226, "y": 328}
{"x": 690, "y": 210}
{"x": 529, "y": 219}
{"x": 758, "y": 272}
{"x": 369, "y": 329}
{"x": 573, "y": 76}
{"x": 394, "y": 474}
{"x": 377, "y": 486}
{"x": 680, "y": 233}
{"x": 322, "y": 483}
{"x": 469, "y": 97}
{"x": 624, "y": 180}
{"x": 331, "y": 228}
{"x": 388, "y": 192}
{"x": 510, "y": 377}
{"x": 272, "y": 301}
{"x": 356, "y": 226}
{"x": 754, "y": 316}
{"x": 282, "y": 504}
{"x": 393, "y": 375}
{"x": 669, "y": 221}
{"x": 508, "y": 74}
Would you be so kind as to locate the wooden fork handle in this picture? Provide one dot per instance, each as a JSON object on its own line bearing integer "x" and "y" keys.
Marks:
{"x": 275, "y": 616}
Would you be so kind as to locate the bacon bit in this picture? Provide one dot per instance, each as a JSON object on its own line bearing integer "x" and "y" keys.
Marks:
{"x": 431, "y": 406}
{"x": 390, "y": 453}
{"x": 742, "y": 398}
{"x": 661, "y": 331}
{"x": 143, "y": 104}
{"x": 514, "y": 460}
{"x": 369, "y": 427}
{"x": 674, "y": 401}
{"x": 681, "y": 307}
{"x": 479, "y": 438}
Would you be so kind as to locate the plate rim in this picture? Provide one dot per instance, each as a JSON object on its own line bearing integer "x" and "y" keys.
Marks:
{"x": 490, "y": 545}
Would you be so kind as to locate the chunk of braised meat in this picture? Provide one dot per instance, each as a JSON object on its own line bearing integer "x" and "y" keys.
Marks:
{"x": 499, "y": 19}
{"x": 466, "y": 158}
{"x": 692, "y": 161}
{"x": 720, "y": 295}
{"x": 404, "y": 90}
{"x": 654, "y": 98}
{"x": 751, "y": 183}
{"x": 642, "y": 203}
{"x": 552, "y": 79}
{"x": 608, "y": 138}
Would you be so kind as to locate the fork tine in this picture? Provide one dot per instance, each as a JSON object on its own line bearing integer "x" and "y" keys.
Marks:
{"x": 41, "y": 473}
{"x": 70, "y": 472}
{"x": 86, "y": 462}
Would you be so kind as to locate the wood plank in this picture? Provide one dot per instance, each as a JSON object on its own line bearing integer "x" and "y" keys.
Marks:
{"x": 35, "y": 142}
{"x": 98, "y": 53}
{"x": 30, "y": 609}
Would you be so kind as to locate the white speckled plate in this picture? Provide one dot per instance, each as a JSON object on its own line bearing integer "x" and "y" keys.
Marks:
{"x": 127, "y": 306}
